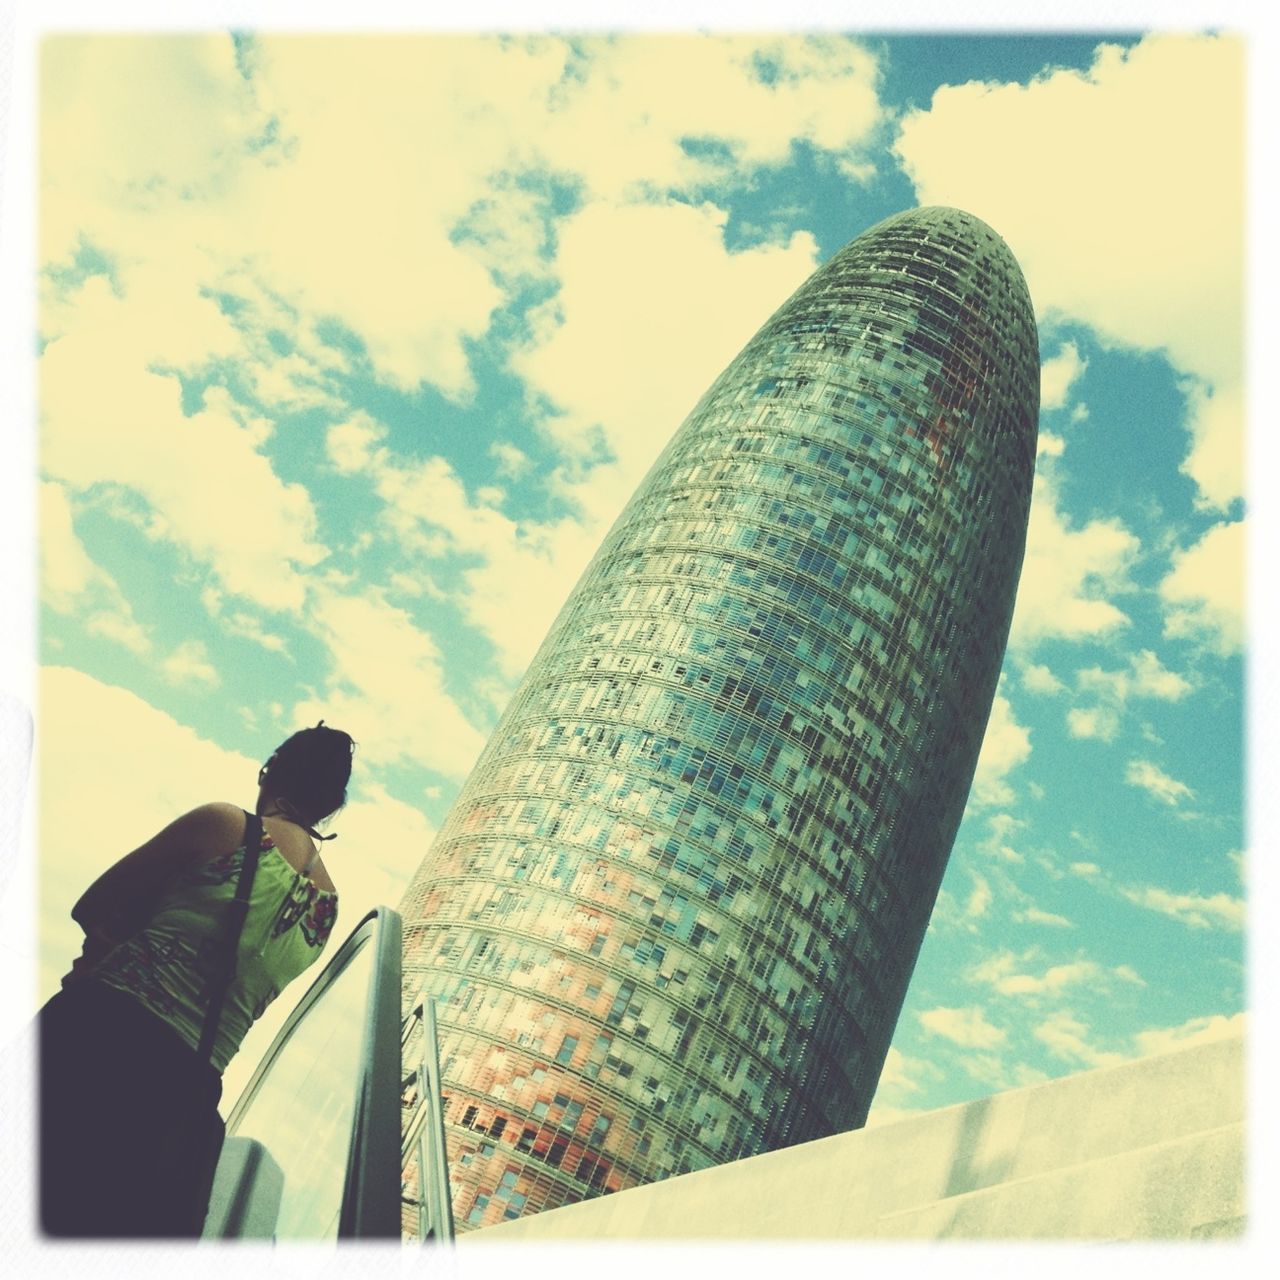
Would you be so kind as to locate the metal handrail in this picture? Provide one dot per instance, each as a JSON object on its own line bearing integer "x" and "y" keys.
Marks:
{"x": 423, "y": 1136}
{"x": 370, "y": 1205}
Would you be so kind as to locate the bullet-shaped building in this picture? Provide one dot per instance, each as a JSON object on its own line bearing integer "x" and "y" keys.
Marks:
{"x": 672, "y": 915}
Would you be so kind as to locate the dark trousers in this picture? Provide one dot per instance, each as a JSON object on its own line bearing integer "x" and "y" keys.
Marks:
{"x": 129, "y": 1125}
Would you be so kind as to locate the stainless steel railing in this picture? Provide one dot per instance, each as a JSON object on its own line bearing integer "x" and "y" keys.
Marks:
{"x": 313, "y": 1143}
{"x": 423, "y": 1158}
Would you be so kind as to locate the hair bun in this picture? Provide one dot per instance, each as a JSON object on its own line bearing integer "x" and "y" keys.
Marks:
{"x": 311, "y": 770}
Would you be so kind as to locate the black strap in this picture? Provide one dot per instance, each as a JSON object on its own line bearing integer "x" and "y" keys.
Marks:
{"x": 237, "y": 910}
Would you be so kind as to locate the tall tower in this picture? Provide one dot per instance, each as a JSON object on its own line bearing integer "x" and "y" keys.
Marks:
{"x": 671, "y": 917}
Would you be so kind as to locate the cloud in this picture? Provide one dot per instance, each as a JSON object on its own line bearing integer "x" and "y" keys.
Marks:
{"x": 1094, "y": 722}
{"x": 1216, "y": 460}
{"x": 518, "y": 571}
{"x": 1086, "y": 870}
{"x": 1000, "y": 827}
{"x": 1170, "y": 167}
{"x": 1005, "y": 746}
{"x": 966, "y": 1027}
{"x": 1204, "y": 1030}
{"x": 189, "y": 664}
{"x": 1203, "y": 594}
{"x": 1049, "y": 446}
{"x": 1057, "y": 978}
{"x": 1039, "y": 679}
{"x": 630, "y": 119}
{"x": 1058, "y": 374}
{"x": 512, "y": 462}
{"x": 351, "y": 444}
{"x": 1066, "y": 1036}
{"x": 1214, "y": 911}
{"x": 1152, "y": 779}
{"x": 904, "y": 1075}
{"x": 71, "y": 583}
{"x": 1069, "y": 575}
{"x": 1033, "y": 915}
{"x": 251, "y": 628}
{"x": 595, "y": 346}
{"x": 109, "y": 415}
{"x": 979, "y": 900}
{"x": 1145, "y": 678}
{"x": 386, "y": 685}
{"x": 224, "y": 155}
{"x": 1149, "y": 679}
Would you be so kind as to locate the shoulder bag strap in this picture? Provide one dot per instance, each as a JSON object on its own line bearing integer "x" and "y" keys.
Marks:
{"x": 236, "y": 913}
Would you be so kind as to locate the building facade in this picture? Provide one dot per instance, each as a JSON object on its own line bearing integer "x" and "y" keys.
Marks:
{"x": 671, "y": 917}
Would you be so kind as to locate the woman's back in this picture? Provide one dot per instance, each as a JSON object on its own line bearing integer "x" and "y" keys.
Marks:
{"x": 168, "y": 964}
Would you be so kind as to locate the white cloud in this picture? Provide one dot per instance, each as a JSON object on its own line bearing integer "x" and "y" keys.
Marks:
{"x": 1058, "y": 374}
{"x": 107, "y": 414}
{"x": 1151, "y": 680}
{"x": 290, "y": 383}
{"x": 979, "y": 899}
{"x": 1049, "y": 446}
{"x": 351, "y": 444}
{"x": 1000, "y": 827}
{"x": 967, "y": 1027}
{"x": 1065, "y": 1036}
{"x": 239, "y": 162}
{"x": 1203, "y": 593}
{"x": 987, "y": 1069}
{"x": 1033, "y": 915}
{"x": 1127, "y": 128}
{"x": 1216, "y": 460}
{"x": 70, "y": 582}
{"x": 512, "y": 462}
{"x": 1039, "y": 679}
{"x": 251, "y": 628}
{"x": 904, "y": 1075}
{"x": 595, "y": 344}
{"x": 1152, "y": 779}
{"x": 119, "y": 625}
{"x": 1006, "y": 745}
{"x": 1093, "y": 722}
{"x": 66, "y": 571}
{"x": 386, "y": 685}
{"x": 1203, "y": 1030}
{"x": 1199, "y": 911}
{"x": 525, "y": 569}
{"x": 1056, "y": 978}
{"x": 1145, "y": 678}
{"x": 624, "y": 124}
{"x": 189, "y": 664}
{"x": 1086, "y": 870}
{"x": 1070, "y": 575}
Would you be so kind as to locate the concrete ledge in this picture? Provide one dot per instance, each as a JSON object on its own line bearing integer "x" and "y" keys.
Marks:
{"x": 1152, "y": 1149}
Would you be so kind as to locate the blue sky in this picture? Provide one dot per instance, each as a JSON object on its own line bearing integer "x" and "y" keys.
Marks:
{"x": 352, "y": 348}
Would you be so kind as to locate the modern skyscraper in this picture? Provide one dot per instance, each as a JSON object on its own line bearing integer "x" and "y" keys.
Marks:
{"x": 672, "y": 915}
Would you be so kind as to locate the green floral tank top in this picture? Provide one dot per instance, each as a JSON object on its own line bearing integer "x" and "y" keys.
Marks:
{"x": 167, "y": 965}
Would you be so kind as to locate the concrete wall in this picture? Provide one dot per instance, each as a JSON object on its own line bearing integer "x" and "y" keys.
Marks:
{"x": 1152, "y": 1149}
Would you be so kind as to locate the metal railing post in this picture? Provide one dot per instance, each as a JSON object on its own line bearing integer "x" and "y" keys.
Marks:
{"x": 442, "y": 1200}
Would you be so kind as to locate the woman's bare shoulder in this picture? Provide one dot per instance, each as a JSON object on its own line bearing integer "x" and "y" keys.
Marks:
{"x": 212, "y": 829}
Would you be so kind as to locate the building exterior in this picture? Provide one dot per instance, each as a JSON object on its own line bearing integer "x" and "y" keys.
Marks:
{"x": 671, "y": 917}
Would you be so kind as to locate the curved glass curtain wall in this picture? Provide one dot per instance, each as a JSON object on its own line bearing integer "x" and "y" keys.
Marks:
{"x": 325, "y": 1101}
{"x": 672, "y": 915}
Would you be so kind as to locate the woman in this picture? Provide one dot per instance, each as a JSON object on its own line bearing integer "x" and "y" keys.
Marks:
{"x": 129, "y": 1126}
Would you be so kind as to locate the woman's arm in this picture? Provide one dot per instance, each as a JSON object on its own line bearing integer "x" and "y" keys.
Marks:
{"x": 121, "y": 899}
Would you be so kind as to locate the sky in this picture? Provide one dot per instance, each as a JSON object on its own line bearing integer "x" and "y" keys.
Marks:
{"x": 352, "y": 347}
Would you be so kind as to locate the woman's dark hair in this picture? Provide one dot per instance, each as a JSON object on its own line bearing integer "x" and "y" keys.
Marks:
{"x": 309, "y": 772}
